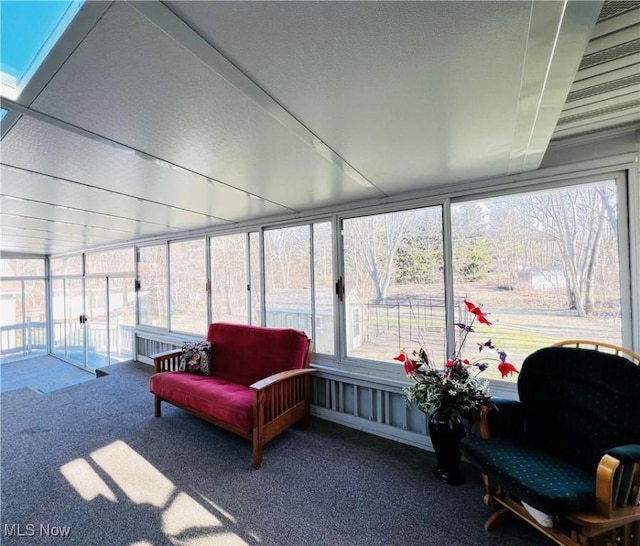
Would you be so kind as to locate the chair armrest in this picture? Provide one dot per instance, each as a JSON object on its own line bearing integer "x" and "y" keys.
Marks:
{"x": 504, "y": 420}
{"x": 167, "y": 361}
{"x": 279, "y": 377}
{"x": 281, "y": 399}
{"x": 618, "y": 480}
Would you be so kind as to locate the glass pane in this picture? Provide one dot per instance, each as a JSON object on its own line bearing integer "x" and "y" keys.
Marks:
{"x": 394, "y": 284}
{"x": 229, "y": 278}
{"x": 97, "y": 323}
{"x": 188, "y": 274}
{"x": 29, "y": 31}
{"x": 74, "y": 330}
{"x": 545, "y": 265}
{"x": 113, "y": 261}
{"x": 152, "y": 297}
{"x": 288, "y": 278}
{"x": 21, "y": 267}
{"x": 66, "y": 266}
{"x": 23, "y": 330}
{"x": 122, "y": 317}
{"x": 255, "y": 275}
{"x": 323, "y": 335}
{"x": 35, "y": 317}
{"x": 59, "y": 317}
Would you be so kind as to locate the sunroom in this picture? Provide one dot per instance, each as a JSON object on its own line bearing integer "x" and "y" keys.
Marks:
{"x": 356, "y": 170}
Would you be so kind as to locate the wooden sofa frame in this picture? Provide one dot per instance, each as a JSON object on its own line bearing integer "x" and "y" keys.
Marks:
{"x": 279, "y": 401}
{"x": 609, "y": 524}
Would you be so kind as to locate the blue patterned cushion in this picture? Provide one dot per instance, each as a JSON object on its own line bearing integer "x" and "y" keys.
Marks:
{"x": 532, "y": 475}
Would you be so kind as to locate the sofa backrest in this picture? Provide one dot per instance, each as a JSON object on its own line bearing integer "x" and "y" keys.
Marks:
{"x": 245, "y": 354}
{"x": 580, "y": 402}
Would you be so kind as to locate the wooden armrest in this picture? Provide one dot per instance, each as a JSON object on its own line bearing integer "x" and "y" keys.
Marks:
{"x": 165, "y": 361}
{"x": 611, "y": 487}
{"x": 278, "y": 377}
{"x": 485, "y": 433}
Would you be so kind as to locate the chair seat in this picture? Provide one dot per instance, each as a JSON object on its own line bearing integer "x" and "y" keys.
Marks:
{"x": 532, "y": 475}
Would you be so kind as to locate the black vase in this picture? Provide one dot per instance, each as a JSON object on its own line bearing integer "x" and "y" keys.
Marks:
{"x": 445, "y": 435}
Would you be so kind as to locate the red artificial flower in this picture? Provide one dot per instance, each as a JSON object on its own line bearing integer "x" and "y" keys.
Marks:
{"x": 450, "y": 363}
{"x": 475, "y": 310}
{"x": 409, "y": 365}
{"x": 506, "y": 368}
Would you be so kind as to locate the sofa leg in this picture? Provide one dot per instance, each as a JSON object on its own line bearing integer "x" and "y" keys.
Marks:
{"x": 257, "y": 455}
{"x": 156, "y": 406}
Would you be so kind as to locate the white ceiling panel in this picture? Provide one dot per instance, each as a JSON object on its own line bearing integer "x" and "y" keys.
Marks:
{"x": 39, "y": 147}
{"x": 86, "y": 235}
{"x": 188, "y": 115}
{"x": 39, "y": 209}
{"x": 411, "y": 93}
{"x": 57, "y": 192}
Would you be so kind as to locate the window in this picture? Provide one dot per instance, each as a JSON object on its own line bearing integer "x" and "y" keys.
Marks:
{"x": 23, "y": 309}
{"x": 287, "y": 273}
{"x": 112, "y": 261}
{"x": 229, "y": 283}
{"x": 60, "y": 267}
{"x": 544, "y": 264}
{"x": 255, "y": 260}
{"x": 152, "y": 278}
{"x": 323, "y": 281}
{"x": 188, "y": 285}
{"x": 29, "y": 32}
{"x": 394, "y": 284}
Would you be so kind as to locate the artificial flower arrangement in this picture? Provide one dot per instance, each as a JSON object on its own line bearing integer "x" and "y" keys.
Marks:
{"x": 455, "y": 391}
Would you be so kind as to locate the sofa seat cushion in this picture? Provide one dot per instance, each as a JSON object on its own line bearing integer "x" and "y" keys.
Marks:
{"x": 532, "y": 475}
{"x": 228, "y": 402}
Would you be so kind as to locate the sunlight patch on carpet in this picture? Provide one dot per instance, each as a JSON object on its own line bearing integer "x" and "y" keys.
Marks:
{"x": 185, "y": 521}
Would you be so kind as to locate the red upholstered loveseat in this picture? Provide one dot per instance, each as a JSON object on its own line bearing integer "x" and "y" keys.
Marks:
{"x": 259, "y": 383}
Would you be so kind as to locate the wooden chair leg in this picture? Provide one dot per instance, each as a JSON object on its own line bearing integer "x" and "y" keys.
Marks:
{"x": 498, "y": 518}
{"x": 156, "y": 406}
{"x": 490, "y": 492}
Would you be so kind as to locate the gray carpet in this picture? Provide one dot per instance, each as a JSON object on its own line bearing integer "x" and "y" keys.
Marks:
{"x": 43, "y": 374}
{"x": 91, "y": 462}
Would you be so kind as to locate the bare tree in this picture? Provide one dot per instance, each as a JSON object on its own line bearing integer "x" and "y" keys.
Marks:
{"x": 574, "y": 219}
{"x": 374, "y": 241}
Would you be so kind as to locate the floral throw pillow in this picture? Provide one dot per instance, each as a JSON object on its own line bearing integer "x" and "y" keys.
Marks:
{"x": 196, "y": 357}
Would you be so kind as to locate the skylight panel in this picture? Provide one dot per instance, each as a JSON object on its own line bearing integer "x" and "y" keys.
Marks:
{"x": 29, "y": 30}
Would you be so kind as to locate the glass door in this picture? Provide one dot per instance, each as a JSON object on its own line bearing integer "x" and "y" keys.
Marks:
{"x": 59, "y": 344}
{"x": 75, "y": 321}
{"x": 69, "y": 320}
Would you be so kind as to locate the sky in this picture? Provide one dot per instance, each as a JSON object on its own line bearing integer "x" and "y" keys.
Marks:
{"x": 25, "y": 29}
